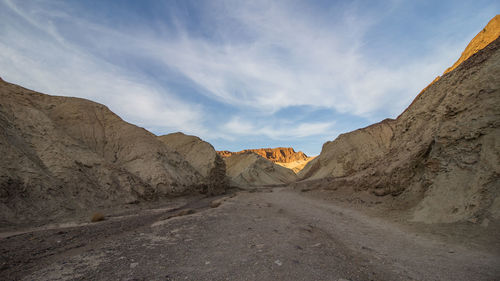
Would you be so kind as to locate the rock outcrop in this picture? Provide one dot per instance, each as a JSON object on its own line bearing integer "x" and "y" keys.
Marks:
{"x": 63, "y": 155}
{"x": 252, "y": 170}
{"x": 296, "y": 166}
{"x": 351, "y": 152}
{"x": 489, "y": 33}
{"x": 203, "y": 157}
{"x": 441, "y": 155}
{"x": 279, "y": 154}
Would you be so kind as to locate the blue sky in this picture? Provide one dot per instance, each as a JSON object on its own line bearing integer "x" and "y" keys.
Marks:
{"x": 239, "y": 74}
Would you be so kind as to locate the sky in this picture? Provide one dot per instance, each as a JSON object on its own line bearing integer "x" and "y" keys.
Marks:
{"x": 239, "y": 74}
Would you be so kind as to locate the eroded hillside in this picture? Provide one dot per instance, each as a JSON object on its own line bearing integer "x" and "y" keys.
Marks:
{"x": 64, "y": 155}
{"x": 279, "y": 154}
{"x": 441, "y": 155}
{"x": 203, "y": 157}
{"x": 252, "y": 170}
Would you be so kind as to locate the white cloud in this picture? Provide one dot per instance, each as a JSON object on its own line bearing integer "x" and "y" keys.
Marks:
{"x": 267, "y": 56}
{"x": 290, "y": 60}
{"x": 277, "y": 129}
{"x": 37, "y": 56}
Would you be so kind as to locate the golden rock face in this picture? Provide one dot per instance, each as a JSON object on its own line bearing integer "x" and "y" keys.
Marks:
{"x": 277, "y": 155}
{"x": 489, "y": 33}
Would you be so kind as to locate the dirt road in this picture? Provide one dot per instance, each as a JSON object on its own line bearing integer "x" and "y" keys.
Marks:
{"x": 278, "y": 235}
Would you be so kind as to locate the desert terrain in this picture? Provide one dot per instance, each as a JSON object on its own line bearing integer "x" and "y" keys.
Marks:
{"x": 85, "y": 195}
{"x": 271, "y": 234}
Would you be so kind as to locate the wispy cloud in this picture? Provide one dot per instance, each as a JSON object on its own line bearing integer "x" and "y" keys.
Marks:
{"x": 37, "y": 54}
{"x": 284, "y": 58}
{"x": 257, "y": 58}
{"x": 277, "y": 129}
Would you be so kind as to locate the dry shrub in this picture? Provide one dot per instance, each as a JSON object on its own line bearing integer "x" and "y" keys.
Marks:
{"x": 97, "y": 217}
{"x": 186, "y": 212}
{"x": 215, "y": 204}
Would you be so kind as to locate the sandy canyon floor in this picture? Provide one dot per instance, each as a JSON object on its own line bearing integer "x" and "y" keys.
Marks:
{"x": 276, "y": 234}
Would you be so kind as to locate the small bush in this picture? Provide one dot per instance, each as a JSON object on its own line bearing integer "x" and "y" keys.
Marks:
{"x": 215, "y": 204}
{"x": 97, "y": 217}
{"x": 186, "y": 212}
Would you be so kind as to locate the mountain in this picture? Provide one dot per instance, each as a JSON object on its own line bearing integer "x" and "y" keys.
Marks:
{"x": 252, "y": 170}
{"x": 441, "y": 156}
{"x": 489, "y": 33}
{"x": 203, "y": 157}
{"x": 296, "y": 166}
{"x": 279, "y": 154}
{"x": 63, "y": 156}
{"x": 283, "y": 156}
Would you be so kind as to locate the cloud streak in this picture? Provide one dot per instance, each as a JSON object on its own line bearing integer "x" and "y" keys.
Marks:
{"x": 59, "y": 67}
{"x": 290, "y": 61}
{"x": 225, "y": 70}
{"x": 279, "y": 129}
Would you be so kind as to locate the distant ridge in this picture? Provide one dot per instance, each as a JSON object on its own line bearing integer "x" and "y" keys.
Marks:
{"x": 250, "y": 170}
{"x": 277, "y": 155}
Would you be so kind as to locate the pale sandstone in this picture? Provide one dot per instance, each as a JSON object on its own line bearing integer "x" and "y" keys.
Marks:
{"x": 63, "y": 155}
{"x": 252, "y": 170}
{"x": 203, "y": 157}
{"x": 441, "y": 155}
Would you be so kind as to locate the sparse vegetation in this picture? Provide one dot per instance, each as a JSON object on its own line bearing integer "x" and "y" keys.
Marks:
{"x": 215, "y": 204}
{"x": 186, "y": 212}
{"x": 97, "y": 217}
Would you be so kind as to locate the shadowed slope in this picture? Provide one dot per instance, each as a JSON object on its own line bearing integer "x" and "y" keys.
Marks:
{"x": 249, "y": 169}
{"x": 441, "y": 155}
{"x": 203, "y": 157}
{"x": 64, "y": 155}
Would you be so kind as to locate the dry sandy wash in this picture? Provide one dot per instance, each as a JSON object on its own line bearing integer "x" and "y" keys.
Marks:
{"x": 274, "y": 234}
